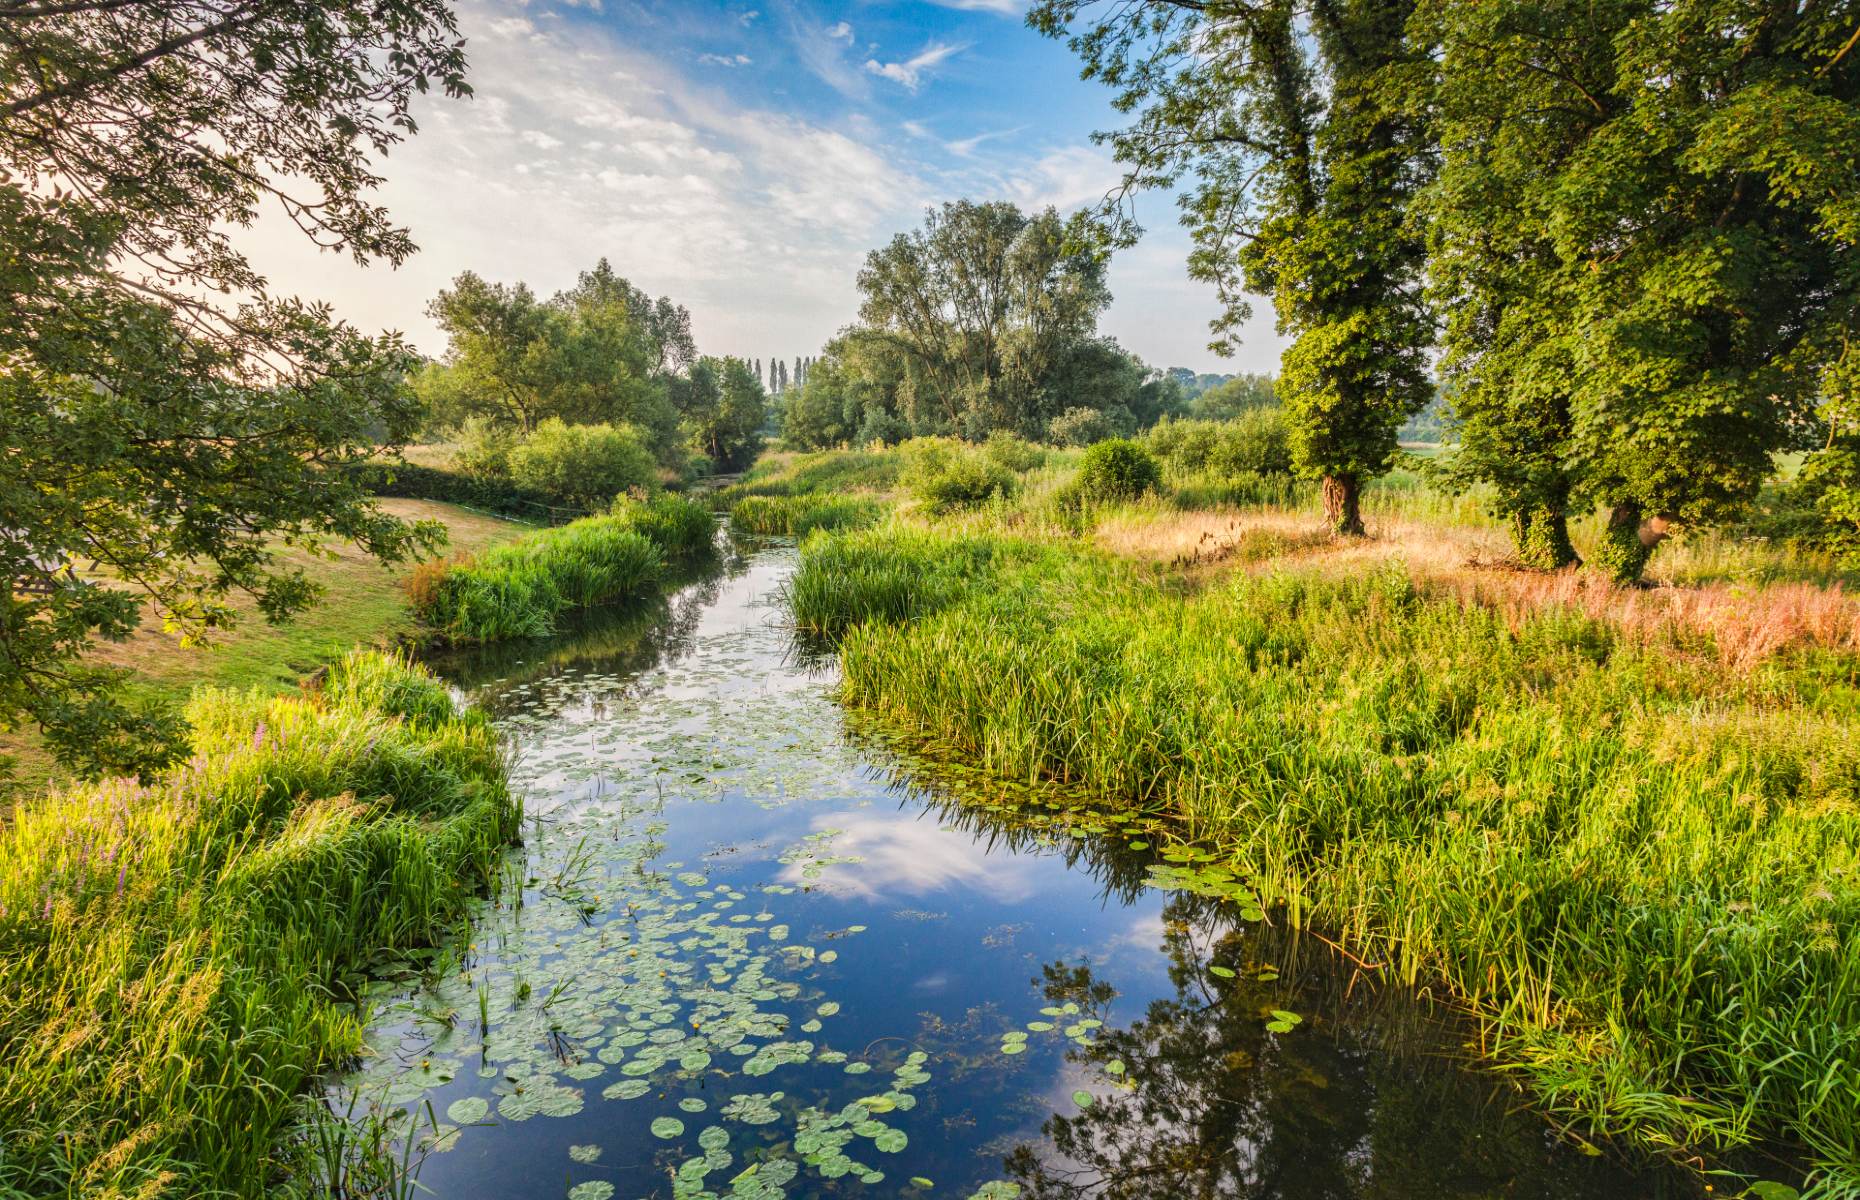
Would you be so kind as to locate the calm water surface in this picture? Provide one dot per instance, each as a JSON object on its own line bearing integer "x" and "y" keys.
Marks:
{"x": 753, "y": 956}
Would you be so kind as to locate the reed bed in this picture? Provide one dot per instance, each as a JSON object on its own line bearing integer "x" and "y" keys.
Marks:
{"x": 173, "y": 953}
{"x": 797, "y": 516}
{"x": 518, "y": 589}
{"x": 1637, "y": 866}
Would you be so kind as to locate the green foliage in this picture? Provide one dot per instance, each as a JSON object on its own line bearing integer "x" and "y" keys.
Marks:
{"x": 797, "y": 516}
{"x": 517, "y": 589}
{"x": 723, "y": 407}
{"x": 1082, "y": 427}
{"x": 946, "y": 474}
{"x": 234, "y": 901}
{"x": 173, "y": 437}
{"x": 828, "y": 471}
{"x": 1234, "y": 397}
{"x": 1118, "y": 469}
{"x": 1290, "y": 122}
{"x": 455, "y": 487}
{"x": 586, "y": 465}
{"x": 1647, "y": 286}
{"x": 1457, "y": 793}
{"x": 1255, "y": 442}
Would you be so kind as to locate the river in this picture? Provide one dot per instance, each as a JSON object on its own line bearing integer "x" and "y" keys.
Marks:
{"x": 747, "y": 950}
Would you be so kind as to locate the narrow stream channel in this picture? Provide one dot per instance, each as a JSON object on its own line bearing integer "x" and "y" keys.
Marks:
{"x": 754, "y": 956}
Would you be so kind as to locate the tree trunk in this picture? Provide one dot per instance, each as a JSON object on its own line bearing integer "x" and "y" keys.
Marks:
{"x": 1542, "y": 538}
{"x": 1629, "y": 541}
{"x": 1343, "y": 505}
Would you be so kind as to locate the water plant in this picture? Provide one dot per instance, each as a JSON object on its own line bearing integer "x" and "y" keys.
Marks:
{"x": 174, "y": 953}
{"x": 519, "y": 588}
{"x": 797, "y": 516}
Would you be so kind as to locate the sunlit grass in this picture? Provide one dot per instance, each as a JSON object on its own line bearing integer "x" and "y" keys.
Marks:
{"x": 173, "y": 954}
{"x": 1625, "y": 842}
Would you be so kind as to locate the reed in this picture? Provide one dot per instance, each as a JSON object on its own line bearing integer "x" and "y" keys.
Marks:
{"x": 797, "y": 516}
{"x": 173, "y": 953}
{"x": 1636, "y": 866}
{"x": 517, "y": 589}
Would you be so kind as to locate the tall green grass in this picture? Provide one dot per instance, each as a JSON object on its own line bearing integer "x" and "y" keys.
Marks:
{"x": 517, "y": 589}
{"x": 797, "y": 516}
{"x": 172, "y": 954}
{"x": 820, "y": 471}
{"x": 1639, "y": 868}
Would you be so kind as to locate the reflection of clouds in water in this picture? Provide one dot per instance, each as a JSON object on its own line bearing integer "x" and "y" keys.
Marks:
{"x": 905, "y": 857}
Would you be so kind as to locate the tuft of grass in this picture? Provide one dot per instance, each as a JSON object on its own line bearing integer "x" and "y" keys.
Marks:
{"x": 172, "y": 953}
{"x": 797, "y": 516}
{"x": 1638, "y": 868}
{"x": 791, "y": 474}
{"x": 519, "y": 588}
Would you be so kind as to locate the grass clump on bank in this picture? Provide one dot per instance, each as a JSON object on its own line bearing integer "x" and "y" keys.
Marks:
{"x": 519, "y": 588}
{"x": 797, "y": 516}
{"x": 172, "y": 953}
{"x": 1638, "y": 866}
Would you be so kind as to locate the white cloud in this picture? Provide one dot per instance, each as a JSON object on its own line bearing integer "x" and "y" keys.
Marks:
{"x": 1007, "y": 8}
{"x": 842, "y": 32}
{"x": 911, "y": 71}
{"x": 575, "y": 146}
{"x": 724, "y": 60}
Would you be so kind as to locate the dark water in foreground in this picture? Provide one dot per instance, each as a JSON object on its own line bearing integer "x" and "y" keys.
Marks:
{"x": 753, "y": 957}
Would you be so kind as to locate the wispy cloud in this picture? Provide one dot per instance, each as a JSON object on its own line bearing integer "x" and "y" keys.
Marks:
{"x": 1007, "y": 8}
{"x": 724, "y": 60}
{"x": 911, "y": 71}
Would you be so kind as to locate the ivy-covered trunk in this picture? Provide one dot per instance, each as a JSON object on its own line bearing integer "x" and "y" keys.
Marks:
{"x": 1343, "y": 508}
{"x": 1542, "y": 537}
{"x": 1629, "y": 541}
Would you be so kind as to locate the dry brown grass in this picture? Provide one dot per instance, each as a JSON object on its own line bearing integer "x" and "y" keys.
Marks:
{"x": 1745, "y": 623}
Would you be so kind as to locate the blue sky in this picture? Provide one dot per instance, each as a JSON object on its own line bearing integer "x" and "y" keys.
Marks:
{"x": 742, "y": 158}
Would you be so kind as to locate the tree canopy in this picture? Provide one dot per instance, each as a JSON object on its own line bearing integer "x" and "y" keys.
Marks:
{"x": 168, "y": 422}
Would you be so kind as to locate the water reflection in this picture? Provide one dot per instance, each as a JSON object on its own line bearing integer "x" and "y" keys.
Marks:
{"x": 740, "y": 916}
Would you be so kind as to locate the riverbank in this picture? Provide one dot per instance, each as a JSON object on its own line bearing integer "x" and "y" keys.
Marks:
{"x": 364, "y": 604}
{"x": 1619, "y": 823}
{"x": 179, "y": 956}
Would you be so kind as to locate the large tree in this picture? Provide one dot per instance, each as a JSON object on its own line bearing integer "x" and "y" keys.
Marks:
{"x": 165, "y": 418}
{"x": 1656, "y": 212}
{"x": 1302, "y": 161}
{"x": 601, "y": 352}
{"x": 723, "y": 406}
{"x": 984, "y": 301}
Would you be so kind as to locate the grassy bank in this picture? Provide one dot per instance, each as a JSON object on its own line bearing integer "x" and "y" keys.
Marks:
{"x": 1637, "y": 865}
{"x": 1619, "y": 823}
{"x": 519, "y": 588}
{"x": 797, "y": 516}
{"x": 173, "y": 955}
{"x": 364, "y": 603}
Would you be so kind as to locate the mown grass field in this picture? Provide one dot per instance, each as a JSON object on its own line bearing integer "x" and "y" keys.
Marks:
{"x": 1620, "y": 824}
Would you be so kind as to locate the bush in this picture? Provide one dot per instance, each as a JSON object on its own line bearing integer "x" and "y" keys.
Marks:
{"x": 484, "y": 449}
{"x": 1017, "y": 454}
{"x": 881, "y": 427}
{"x": 1254, "y": 442}
{"x": 1119, "y": 469}
{"x": 1078, "y": 427}
{"x": 946, "y": 474}
{"x": 584, "y": 464}
{"x": 453, "y": 487}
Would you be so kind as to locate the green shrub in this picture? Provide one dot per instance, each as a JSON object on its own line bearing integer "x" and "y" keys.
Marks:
{"x": 585, "y": 464}
{"x": 947, "y": 474}
{"x": 1079, "y": 426}
{"x": 1119, "y": 469}
{"x": 1016, "y": 454}
{"x": 176, "y": 955}
{"x": 1254, "y": 442}
{"x": 819, "y": 471}
{"x": 455, "y": 487}
{"x": 484, "y": 449}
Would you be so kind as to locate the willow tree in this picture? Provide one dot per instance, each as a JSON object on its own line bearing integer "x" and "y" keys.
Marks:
{"x": 1287, "y": 124}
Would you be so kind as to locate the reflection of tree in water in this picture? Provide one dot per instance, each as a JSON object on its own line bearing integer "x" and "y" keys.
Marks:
{"x": 622, "y": 640}
{"x": 1347, "y": 1106}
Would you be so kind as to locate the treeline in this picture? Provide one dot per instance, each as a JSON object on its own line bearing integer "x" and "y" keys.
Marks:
{"x": 600, "y": 354}
{"x": 1630, "y": 230}
{"x": 983, "y": 320}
